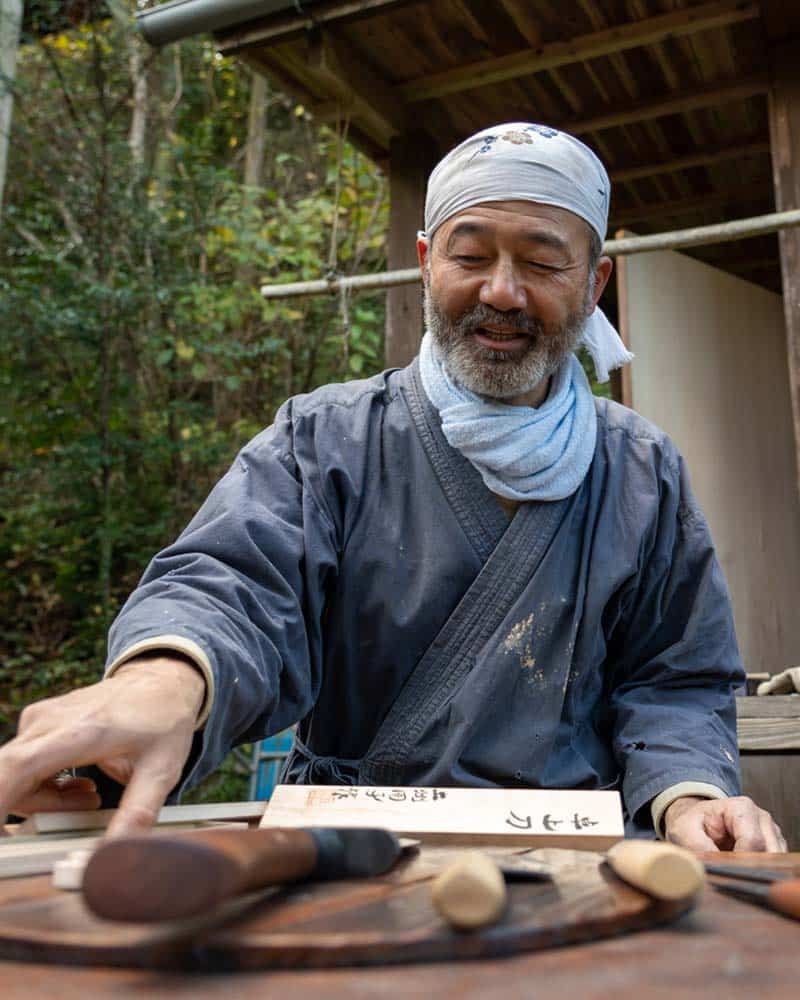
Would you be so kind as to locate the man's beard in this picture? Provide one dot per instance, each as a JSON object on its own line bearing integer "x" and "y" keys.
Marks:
{"x": 501, "y": 374}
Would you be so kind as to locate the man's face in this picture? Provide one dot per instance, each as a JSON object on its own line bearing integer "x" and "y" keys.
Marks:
{"x": 507, "y": 293}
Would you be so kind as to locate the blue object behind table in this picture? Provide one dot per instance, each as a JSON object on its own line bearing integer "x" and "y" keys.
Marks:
{"x": 268, "y": 758}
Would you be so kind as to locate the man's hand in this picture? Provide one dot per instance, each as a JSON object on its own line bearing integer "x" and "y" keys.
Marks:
{"x": 735, "y": 824}
{"x": 137, "y": 726}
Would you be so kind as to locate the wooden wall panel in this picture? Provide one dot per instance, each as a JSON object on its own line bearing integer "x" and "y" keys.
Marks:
{"x": 711, "y": 370}
{"x": 773, "y": 781}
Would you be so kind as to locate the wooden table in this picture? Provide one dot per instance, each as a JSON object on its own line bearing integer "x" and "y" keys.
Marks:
{"x": 725, "y": 947}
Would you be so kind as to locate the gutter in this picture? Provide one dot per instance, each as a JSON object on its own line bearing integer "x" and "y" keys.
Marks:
{"x": 179, "y": 19}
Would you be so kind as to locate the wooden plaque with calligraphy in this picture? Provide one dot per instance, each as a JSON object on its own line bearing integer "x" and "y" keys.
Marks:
{"x": 470, "y": 816}
{"x": 373, "y": 921}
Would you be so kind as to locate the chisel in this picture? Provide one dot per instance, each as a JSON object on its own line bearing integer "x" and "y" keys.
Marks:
{"x": 168, "y": 877}
{"x": 782, "y": 895}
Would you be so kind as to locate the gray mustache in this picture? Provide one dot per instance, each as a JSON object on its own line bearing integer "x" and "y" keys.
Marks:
{"x": 516, "y": 321}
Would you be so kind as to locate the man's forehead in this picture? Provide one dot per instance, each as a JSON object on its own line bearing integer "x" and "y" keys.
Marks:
{"x": 523, "y": 218}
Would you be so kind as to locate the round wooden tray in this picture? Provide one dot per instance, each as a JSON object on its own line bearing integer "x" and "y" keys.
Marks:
{"x": 383, "y": 920}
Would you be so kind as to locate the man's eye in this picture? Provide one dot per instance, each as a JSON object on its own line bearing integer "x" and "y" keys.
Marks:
{"x": 465, "y": 258}
{"x": 541, "y": 266}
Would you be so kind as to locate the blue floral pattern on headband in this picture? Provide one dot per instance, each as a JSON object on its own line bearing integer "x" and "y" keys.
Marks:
{"x": 518, "y": 138}
{"x": 543, "y": 130}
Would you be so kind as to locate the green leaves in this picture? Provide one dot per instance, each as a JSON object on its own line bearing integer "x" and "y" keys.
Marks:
{"x": 137, "y": 354}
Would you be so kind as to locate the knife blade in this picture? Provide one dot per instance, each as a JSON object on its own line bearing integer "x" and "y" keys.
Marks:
{"x": 170, "y": 877}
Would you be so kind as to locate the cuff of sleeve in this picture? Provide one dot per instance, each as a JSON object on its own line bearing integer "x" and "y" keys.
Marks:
{"x": 701, "y": 789}
{"x": 180, "y": 644}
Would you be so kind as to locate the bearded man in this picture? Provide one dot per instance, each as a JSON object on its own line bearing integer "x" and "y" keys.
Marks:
{"x": 468, "y": 572}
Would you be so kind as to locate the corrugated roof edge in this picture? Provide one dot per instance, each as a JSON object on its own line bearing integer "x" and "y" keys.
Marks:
{"x": 170, "y": 22}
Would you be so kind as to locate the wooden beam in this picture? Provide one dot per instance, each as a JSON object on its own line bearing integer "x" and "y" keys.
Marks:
{"x": 639, "y": 111}
{"x": 411, "y": 158}
{"x": 784, "y": 123}
{"x": 268, "y": 65}
{"x": 689, "y": 100}
{"x": 683, "y": 206}
{"x": 272, "y": 30}
{"x": 781, "y": 20}
{"x": 525, "y": 21}
{"x": 703, "y": 158}
{"x": 685, "y": 21}
{"x": 342, "y": 73}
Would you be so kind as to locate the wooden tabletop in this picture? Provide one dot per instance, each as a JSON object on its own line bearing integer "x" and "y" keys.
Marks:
{"x": 735, "y": 949}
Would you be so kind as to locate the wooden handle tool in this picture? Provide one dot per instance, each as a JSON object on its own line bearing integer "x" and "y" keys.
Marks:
{"x": 662, "y": 870}
{"x": 783, "y": 895}
{"x": 168, "y": 877}
{"x": 470, "y": 892}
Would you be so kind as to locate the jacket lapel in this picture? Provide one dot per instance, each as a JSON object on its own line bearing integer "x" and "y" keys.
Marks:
{"x": 511, "y": 553}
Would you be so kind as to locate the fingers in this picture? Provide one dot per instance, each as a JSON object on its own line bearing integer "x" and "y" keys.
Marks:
{"x": 690, "y": 833}
{"x": 59, "y": 795}
{"x": 692, "y": 837}
{"x": 771, "y": 833}
{"x": 150, "y": 784}
{"x": 27, "y": 765}
{"x": 685, "y": 825}
{"x": 119, "y": 722}
{"x": 736, "y": 824}
{"x": 744, "y": 820}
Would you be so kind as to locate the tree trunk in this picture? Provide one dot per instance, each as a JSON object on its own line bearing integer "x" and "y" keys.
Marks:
{"x": 10, "y": 20}
{"x": 138, "y": 130}
{"x": 256, "y": 132}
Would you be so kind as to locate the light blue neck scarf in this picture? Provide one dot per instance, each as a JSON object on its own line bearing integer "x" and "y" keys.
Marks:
{"x": 521, "y": 452}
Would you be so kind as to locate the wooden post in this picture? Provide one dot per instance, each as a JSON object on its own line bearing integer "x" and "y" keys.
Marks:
{"x": 784, "y": 127}
{"x": 411, "y": 157}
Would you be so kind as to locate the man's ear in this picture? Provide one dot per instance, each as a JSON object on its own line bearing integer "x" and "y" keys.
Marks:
{"x": 423, "y": 246}
{"x": 601, "y": 275}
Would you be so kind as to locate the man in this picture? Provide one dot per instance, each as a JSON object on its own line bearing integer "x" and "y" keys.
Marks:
{"x": 468, "y": 572}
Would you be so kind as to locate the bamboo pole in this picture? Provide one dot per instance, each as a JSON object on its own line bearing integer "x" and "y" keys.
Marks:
{"x": 722, "y": 232}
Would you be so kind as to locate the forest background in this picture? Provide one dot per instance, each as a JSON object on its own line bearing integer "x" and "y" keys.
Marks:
{"x": 149, "y": 194}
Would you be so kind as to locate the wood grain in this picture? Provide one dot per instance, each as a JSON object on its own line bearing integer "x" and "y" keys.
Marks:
{"x": 384, "y": 920}
{"x": 773, "y": 781}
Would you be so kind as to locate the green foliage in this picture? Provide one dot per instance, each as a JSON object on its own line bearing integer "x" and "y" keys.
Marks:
{"x": 137, "y": 352}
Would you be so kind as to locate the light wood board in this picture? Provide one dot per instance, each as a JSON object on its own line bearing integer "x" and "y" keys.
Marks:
{"x": 525, "y": 817}
{"x": 97, "y": 819}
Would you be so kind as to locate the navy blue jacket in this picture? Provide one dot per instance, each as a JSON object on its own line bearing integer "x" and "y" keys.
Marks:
{"x": 352, "y": 572}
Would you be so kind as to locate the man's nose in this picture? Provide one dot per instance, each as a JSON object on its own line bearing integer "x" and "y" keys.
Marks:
{"x": 502, "y": 288}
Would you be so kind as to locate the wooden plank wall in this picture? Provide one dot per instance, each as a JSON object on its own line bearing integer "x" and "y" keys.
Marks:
{"x": 711, "y": 370}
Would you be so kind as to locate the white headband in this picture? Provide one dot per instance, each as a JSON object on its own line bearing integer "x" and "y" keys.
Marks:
{"x": 519, "y": 162}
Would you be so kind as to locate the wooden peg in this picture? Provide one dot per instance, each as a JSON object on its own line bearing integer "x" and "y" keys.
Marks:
{"x": 659, "y": 869}
{"x": 470, "y": 892}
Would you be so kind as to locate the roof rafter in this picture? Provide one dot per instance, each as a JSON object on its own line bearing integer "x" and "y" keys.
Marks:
{"x": 687, "y": 20}
{"x": 279, "y": 29}
{"x": 652, "y": 211}
{"x": 703, "y": 158}
{"x": 356, "y": 87}
{"x": 687, "y": 100}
